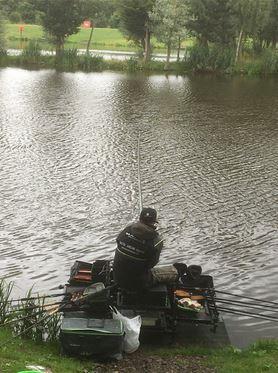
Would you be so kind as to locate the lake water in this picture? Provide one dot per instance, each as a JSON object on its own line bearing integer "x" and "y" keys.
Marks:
{"x": 69, "y": 176}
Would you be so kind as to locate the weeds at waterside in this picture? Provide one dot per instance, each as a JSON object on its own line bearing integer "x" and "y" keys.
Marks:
{"x": 198, "y": 59}
{"x": 5, "y": 293}
{"x": 27, "y": 317}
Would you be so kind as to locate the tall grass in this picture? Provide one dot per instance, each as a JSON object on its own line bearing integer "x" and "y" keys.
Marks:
{"x": 5, "y": 293}
{"x": 27, "y": 318}
{"x": 32, "y": 52}
{"x": 88, "y": 63}
{"x": 264, "y": 64}
{"x": 213, "y": 58}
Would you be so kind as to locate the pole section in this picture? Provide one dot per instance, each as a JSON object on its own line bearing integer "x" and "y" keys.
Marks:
{"x": 139, "y": 174}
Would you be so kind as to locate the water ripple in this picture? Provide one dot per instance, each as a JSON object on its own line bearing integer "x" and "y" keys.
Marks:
{"x": 208, "y": 164}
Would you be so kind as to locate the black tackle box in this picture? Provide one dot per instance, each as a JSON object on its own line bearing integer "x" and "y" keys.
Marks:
{"x": 153, "y": 298}
{"x": 91, "y": 337}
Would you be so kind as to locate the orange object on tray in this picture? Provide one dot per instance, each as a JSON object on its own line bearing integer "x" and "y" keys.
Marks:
{"x": 83, "y": 277}
{"x": 182, "y": 294}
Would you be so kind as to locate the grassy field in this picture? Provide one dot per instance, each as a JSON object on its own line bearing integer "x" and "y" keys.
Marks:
{"x": 103, "y": 38}
{"x": 16, "y": 354}
{"x": 20, "y": 353}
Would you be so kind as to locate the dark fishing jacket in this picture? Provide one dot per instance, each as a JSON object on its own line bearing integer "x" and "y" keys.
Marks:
{"x": 138, "y": 250}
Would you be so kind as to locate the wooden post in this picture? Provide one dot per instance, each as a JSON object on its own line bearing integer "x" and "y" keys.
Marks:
{"x": 90, "y": 39}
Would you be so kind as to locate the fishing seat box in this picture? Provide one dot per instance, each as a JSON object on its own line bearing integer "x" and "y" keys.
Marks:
{"x": 82, "y": 336}
{"x": 154, "y": 298}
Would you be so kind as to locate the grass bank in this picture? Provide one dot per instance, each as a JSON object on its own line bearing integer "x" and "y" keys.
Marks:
{"x": 71, "y": 61}
{"x": 103, "y": 38}
{"x": 260, "y": 357}
{"x": 19, "y": 353}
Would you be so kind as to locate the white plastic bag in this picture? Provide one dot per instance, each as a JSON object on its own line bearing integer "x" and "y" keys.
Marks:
{"x": 132, "y": 331}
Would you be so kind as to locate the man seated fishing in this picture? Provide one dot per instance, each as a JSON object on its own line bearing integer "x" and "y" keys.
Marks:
{"x": 138, "y": 250}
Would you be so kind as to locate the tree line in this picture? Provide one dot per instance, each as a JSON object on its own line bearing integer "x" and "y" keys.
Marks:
{"x": 224, "y": 24}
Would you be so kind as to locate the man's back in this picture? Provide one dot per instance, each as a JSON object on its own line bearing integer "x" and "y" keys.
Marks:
{"x": 138, "y": 250}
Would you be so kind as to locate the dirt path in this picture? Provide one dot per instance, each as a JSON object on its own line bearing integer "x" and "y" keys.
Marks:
{"x": 141, "y": 362}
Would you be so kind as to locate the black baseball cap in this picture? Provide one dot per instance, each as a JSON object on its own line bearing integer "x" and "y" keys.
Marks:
{"x": 148, "y": 215}
{"x": 194, "y": 271}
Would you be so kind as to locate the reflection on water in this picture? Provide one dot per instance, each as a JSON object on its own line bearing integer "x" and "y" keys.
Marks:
{"x": 69, "y": 183}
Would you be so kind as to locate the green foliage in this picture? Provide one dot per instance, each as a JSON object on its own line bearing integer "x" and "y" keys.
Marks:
{"x": 266, "y": 63}
{"x": 132, "y": 64}
{"x": 21, "y": 10}
{"x": 261, "y": 357}
{"x": 98, "y": 11}
{"x": 270, "y": 61}
{"x": 214, "y": 58}
{"x": 15, "y": 17}
{"x": 32, "y": 51}
{"x": 5, "y": 293}
{"x": 61, "y": 19}
{"x": 18, "y": 353}
{"x": 2, "y": 33}
{"x": 68, "y": 57}
{"x": 212, "y": 21}
{"x": 91, "y": 63}
{"x": 134, "y": 18}
{"x": 269, "y": 29}
{"x": 168, "y": 19}
{"x": 27, "y": 318}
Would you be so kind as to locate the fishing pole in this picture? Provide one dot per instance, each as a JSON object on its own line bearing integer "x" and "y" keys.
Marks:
{"x": 59, "y": 309}
{"x": 139, "y": 181}
{"x": 38, "y": 297}
{"x": 31, "y": 327}
{"x": 139, "y": 173}
{"x": 247, "y": 314}
{"x": 23, "y": 318}
{"x": 245, "y": 297}
{"x": 245, "y": 304}
{"x": 213, "y": 290}
{"x": 30, "y": 308}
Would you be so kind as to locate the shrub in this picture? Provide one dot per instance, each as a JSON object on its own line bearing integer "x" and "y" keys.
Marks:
{"x": 27, "y": 317}
{"x": 211, "y": 58}
{"x": 32, "y": 52}
{"x": 132, "y": 64}
{"x": 270, "y": 61}
{"x": 5, "y": 293}
{"x": 91, "y": 63}
{"x": 68, "y": 57}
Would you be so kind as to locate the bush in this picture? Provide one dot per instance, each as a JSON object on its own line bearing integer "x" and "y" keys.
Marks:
{"x": 32, "y": 52}
{"x": 132, "y": 65}
{"x": 270, "y": 61}
{"x": 5, "y": 293}
{"x": 197, "y": 57}
{"x": 91, "y": 63}
{"x": 214, "y": 58}
{"x": 28, "y": 317}
{"x": 3, "y": 52}
{"x": 68, "y": 57}
{"x": 15, "y": 17}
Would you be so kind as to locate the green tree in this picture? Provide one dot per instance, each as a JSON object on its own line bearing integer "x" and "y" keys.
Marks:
{"x": 2, "y": 34}
{"x": 27, "y": 11}
{"x": 212, "y": 21}
{"x": 269, "y": 31}
{"x": 251, "y": 16}
{"x": 98, "y": 11}
{"x": 62, "y": 18}
{"x": 169, "y": 21}
{"x": 135, "y": 22}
